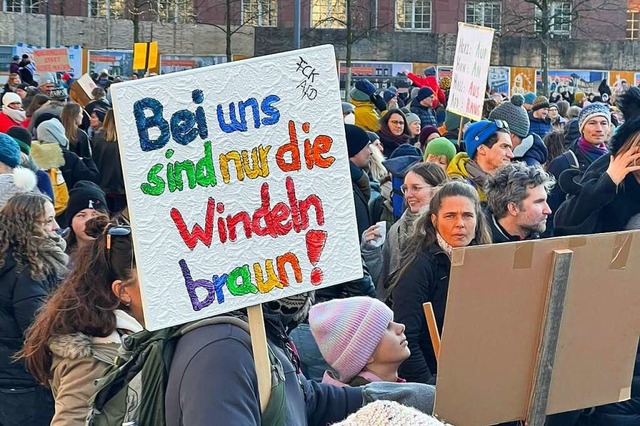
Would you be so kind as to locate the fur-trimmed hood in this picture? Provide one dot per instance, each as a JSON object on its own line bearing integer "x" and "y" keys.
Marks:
{"x": 72, "y": 346}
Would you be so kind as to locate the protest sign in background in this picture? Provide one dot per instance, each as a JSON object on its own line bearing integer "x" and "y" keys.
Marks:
{"x": 470, "y": 69}
{"x": 51, "y": 60}
{"x": 238, "y": 184}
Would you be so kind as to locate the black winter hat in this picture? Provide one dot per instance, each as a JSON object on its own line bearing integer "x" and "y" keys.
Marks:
{"x": 85, "y": 195}
{"x": 629, "y": 105}
{"x": 357, "y": 139}
{"x": 23, "y": 137}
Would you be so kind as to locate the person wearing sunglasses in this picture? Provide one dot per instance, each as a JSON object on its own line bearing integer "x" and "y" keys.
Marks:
{"x": 489, "y": 147}
{"x": 32, "y": 263}
{"x": 84, "y": 321}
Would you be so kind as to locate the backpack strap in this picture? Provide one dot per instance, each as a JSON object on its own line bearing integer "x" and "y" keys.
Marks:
{"x": 572, "y": 159}
{"x": 275, "y": 413}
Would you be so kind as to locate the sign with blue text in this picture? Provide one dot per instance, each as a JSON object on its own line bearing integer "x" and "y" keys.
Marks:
{"x": 238, "y": 184}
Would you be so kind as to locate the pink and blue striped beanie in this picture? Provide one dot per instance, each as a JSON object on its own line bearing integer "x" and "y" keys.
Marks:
{"x": 348, "y": 332}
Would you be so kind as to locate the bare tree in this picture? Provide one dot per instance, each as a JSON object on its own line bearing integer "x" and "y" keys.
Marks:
{"x": 162, "y": 11}
{"x": 238, "y": 14}
{"x": 553, "y": 19}
{"x": 357, "y": 17}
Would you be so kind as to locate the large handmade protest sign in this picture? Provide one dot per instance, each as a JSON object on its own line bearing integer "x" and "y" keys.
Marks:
{"x": 493, "y": 326}
{"x": 238, "y": 184}
{"x": 470, "y": 70}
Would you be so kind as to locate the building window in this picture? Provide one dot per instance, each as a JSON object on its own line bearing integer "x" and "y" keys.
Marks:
{"x": 21, "y": 6}
{"x": 261, "y": 13}
{"x": 633, "y": 22}
{"x": 113, "y": 9}
{"x": 413, "y": 15}
{"x": 559, "y": 18}
{"x": 485, "y": 13}
{"x": 175, "y": 11}
{"x": 329, "y": 14}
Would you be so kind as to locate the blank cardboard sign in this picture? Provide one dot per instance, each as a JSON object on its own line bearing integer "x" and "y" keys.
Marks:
{"x": 494, "y": 322}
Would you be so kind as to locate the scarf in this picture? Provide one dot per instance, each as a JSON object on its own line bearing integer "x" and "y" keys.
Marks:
{"x": 405, "y": 226}
{"x": 593, "y": 152}
{"x": 17, "y": 115}
{"x": 389, "y": 137}
{"x": 443, "y": 244}
{"x": 477, "y": 175}
{"x": 125, "y": 323}
{"x": 361, "y": 179}
{"x": 52, "y": 254}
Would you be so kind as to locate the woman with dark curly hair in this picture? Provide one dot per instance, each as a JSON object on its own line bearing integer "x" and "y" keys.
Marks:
{"x": 81, "y": 326}
{"x": 32, "y": 262}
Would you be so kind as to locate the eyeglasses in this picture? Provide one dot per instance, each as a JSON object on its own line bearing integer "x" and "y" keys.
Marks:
{"x": 414, "y": 188}
{"x": 500, "y": 125}
{"x": 396, "y": 122}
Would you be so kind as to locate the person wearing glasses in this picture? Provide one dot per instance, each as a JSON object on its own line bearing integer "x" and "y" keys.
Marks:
{"x": 527, "y": 146}
{"x": 32, "y": 263}
{"x": 454, "y": 219}
{"x": 83, "y": 322}
{"x": 394, "y": 131}
{"x": 420, "y": 184}
{"x": 488, "y": 144}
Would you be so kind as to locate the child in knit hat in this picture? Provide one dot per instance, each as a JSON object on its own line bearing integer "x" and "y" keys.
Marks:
{"x": 359, "y": 340}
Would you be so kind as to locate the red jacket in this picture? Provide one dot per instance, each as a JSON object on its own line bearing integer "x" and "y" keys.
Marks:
{"x": 432, "y": 83}
{"x": 6, "y": 123}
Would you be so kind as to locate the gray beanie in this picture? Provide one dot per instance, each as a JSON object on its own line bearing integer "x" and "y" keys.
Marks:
{"x": 52, "y": 131}
{"x": 514, "y": 114}
{"x": 411, "y": 117}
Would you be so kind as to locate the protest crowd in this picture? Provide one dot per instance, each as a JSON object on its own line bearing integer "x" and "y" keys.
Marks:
{"x": 424, "y": 181}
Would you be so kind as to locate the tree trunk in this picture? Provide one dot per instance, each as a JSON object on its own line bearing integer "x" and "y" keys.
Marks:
{"x": 545, "y": 37}
{"x": 347, "y": 82}
{"x": 228, "y": 33}
{"x": 135, "y": 18}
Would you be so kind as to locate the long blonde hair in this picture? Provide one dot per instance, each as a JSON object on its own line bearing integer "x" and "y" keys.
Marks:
{"x": 69, "y": 116}
{"x": 109, "y": 127}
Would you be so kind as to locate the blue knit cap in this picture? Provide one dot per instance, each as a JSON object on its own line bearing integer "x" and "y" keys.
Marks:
{"x": 478, "y": 133}
{"x": 529, "y": 98}
{"x": 9, "y": 151}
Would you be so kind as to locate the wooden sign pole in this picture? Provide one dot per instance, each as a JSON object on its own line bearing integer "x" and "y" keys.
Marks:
{"x": 260, "y": 353}
{"x": 433, "y": 328}
{"x": 548, "y": 344}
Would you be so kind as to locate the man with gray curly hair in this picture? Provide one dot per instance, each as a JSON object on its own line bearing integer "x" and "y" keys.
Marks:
{"x": 517, "y": 206}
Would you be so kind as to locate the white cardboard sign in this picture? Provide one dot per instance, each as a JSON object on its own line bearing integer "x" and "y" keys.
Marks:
{"x": 470, "y": 70}
{"x": 238, "y": 184}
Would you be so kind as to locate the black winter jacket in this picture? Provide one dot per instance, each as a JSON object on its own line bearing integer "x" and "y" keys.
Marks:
{"x": 20, "y": 298}
{"x": 426, "y": 279}
{"x": 76, "y": 168}
{"x": 600, "y": 206}
{"x": 107, "y": 158}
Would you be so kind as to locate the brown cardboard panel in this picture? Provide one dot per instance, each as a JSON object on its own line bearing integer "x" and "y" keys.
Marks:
{"x": 599, "y": 331}
{"x": 494, "y": 322}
